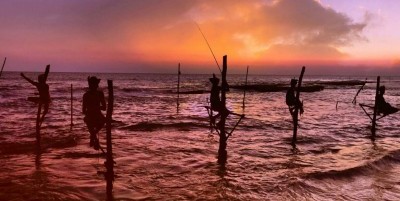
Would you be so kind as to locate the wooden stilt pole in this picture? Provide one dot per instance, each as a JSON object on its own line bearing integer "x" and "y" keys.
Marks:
{"x": 109, "y": 161}
{"x": 373, "y": 128}
{"x": 245, "y": 87}
{"x": 4, "y": 63}
{"x": 72, "y": 106}
{"x": 38, "y": 122}
{"x": 222, "y": 153}
{"x": 179, "y": 82}
{"x": 296, "y": 110}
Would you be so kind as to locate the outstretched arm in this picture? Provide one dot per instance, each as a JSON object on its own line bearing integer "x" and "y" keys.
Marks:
{"x": 27, "y": 79}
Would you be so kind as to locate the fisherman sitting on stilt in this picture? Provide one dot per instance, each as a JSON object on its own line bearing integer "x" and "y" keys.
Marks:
{"x": 93, "y": 103}
{"x": 215, "y": 100}
{"x": 382, "y": 106}
{"x": 291, "y": 99}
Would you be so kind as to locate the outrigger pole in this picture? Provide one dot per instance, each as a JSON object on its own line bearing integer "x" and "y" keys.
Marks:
{"x": 4, "y": 63}
{"x": 296, "y": 109}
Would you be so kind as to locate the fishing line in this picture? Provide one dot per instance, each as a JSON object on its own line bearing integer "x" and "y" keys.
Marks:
{"x": 209, "y": 47}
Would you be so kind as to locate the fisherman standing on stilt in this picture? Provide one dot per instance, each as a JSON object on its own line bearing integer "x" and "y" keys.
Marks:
{"x": 291, "y": 99}
{"x": 44, "y": 94}
{"x": 93, "y": 103}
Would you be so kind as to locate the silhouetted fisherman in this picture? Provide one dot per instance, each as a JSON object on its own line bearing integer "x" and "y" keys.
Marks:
{"x": 382, "y": 106}
{"x": 44, "y": 95}
{"x": 215, "y": 99}
{"x": 291, "y": 99}
{"x": 93, "y": 103}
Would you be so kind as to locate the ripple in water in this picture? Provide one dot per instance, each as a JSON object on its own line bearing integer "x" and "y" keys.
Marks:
{"x": 165, "y": 155}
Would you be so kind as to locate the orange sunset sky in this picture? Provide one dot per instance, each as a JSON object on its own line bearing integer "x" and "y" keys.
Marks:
{"x": 272, "y": 36}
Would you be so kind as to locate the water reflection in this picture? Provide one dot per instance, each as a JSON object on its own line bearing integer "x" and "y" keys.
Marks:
{"x": 109, "y": 175}
{"x": 40, "y": 179}
{"x": 333, "y": 147}
{"x": 38, "y": 156}
{"x": 222, "y": 183}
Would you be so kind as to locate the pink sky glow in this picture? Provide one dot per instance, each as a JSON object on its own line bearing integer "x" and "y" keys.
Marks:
{"x": 154, "y": 35}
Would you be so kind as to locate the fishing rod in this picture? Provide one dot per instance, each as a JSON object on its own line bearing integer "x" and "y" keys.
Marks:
{"x": 209, "y": 47}
{"x": 354, "y": 101}
{"x": 361, "y": 88}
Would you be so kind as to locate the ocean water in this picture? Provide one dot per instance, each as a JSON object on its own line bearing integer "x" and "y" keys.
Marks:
{"x": 162, "y": 153}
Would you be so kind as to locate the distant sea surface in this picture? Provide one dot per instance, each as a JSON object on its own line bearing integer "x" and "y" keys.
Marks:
{"x": 165, "y": 154}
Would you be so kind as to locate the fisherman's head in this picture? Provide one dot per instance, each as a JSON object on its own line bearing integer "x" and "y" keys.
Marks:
{"x": 382, "y": 89}
{"x": 93, "y": 82}
{"x": 293, "y": 82}
{"x": 41, "y": 78}
{"x": 214, "y": 80}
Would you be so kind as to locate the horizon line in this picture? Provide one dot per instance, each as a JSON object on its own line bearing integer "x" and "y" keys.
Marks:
{"x": 167, "y": 73}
